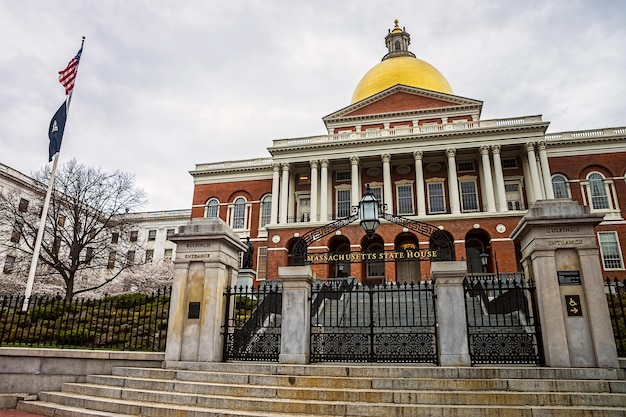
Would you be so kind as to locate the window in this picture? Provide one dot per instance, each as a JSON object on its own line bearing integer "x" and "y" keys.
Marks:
{"x": 23, "y": 206}
{"x": 88, "y": 255}
{"x": 17, "y": 231}
{"x": 467, "y": 166}
{"x": 343, "y": 176}
{"x": 149, "y": 255}
{"x": 115, "y": 237}
{"x": 61, "y": 220}
{"x": 170, "y": 233}
{"x": 513, "y": 195}
{"x": 610, "y": 251}
{"x": 343, "y": 203}
{"x": 9, "y": 264}
{"x": 212, "y": 208}
{"x": 151, "y": 235}
{"x": 405, "y": 199}
{"x": 469, "y": 196}
{"x": 304, "y": 179}
{"x": 597, "y": 192}
{"x": 133, "y": 235}
{"x": 436, "y": 199}
{"x": 239, "y": 213}
{"x": 111, "y": 261}
{"x": 304, "y": 209}
{"x": 261, "y": 265}
{"x": 130, "y": 257}
{"x": 559, "y": 186}
{"x": 509, "y": 163}
{"x": 167, "y": 255}
{"x": 266, "y": 210}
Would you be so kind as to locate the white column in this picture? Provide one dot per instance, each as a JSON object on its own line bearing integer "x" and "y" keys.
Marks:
{"x": 387, "y": 191}
{"x": 545, "y": 170}
{"x": 420, "y": 192}
{"x": 528, "y": 184}
{"x": 314, "y": 164}
{"x": 491, "y": 199}
{"x": 354, "y": 180}
{"x": 497, "y": 163}
{"x": 275, "y": 193}
{"x": 453, "y": 182}
{"x": 284, "y": 194}
{"x": 324, "y": 190}
{"x": 534, "y": 172}
{"x": 292, "y": 197}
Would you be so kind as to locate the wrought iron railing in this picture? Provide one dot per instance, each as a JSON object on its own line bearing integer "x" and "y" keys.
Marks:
{"x": 616, "y": 299}
{"x": 502, "y": 320}
{"x": 253, "y": 322}
{"x": 127, "y": 322}
{"x": 380, "y": 323}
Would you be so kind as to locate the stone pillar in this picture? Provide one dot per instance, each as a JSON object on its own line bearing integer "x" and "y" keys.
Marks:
{"x": 284, "y": 194}
{"x": 295, "y": 336}
{"x": 452, "y": 337}
{"x": 453, "y": 182}
{"x": 545, "y": 171}
{"x": 207, "y": 261}
{"x": 497, "y": 164}
{"x": 275, "y": 193}
{"x": 314, "y": 193}
{"x": 354, "y": 181}
{"x": 534, "y": 172}
{"x": 486, "y": 164}
{"x": 324, "y": 190}
{"x": 560, "y": 253}
{"x": 420, "y": 192}
{"x": 387, "y": 192}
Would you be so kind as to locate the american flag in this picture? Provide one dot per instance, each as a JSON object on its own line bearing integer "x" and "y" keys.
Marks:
{"x": 68, "y": 75}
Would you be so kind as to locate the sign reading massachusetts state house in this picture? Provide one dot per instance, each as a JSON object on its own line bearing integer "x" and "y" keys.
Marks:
{"x": 382, "y": 256}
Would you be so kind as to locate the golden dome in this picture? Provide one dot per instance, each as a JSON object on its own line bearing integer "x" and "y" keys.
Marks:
{"x": 404, "y": 70}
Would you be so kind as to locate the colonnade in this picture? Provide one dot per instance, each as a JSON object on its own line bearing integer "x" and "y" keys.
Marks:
{"x": 537, "y": 182}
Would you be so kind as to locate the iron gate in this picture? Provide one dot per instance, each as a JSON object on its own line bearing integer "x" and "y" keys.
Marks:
{"x": 502, "y": 321}
{"x": 351, "y": 322}
{"x": 252, "y": 325}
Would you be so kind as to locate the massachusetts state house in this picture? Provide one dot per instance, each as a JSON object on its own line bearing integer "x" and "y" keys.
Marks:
{"x": 426, "y": 155}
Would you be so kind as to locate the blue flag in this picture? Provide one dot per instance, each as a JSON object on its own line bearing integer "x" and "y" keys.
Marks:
{"x": 55, "y": 132}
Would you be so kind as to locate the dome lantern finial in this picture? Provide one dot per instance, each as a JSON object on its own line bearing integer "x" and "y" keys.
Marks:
{"x": 397, "y": 41}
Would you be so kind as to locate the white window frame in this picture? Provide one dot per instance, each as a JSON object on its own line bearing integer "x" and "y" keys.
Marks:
{"x": 462, "y": 195}
{"x": 303, "y": 215}
{"x": 239, "y": 203}
{"x": 338, "y": 190}
{"x": 609, "y": 191}
{"x": 212, "y": 202}
{"x": 565, "y": 184}
{"x": 604, "y": 250}
{"x": 440, "y": 183}
{"x": 261, "y": 263}
{"x": 460, "y": 168}
{"x": 399, "y": 205}
{"x": 514, "y": 205}
{"x": 265, "y": 210}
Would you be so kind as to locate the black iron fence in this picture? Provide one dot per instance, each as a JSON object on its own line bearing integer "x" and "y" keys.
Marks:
{"x": 127, "y": 322}
{"x": 502, "y": 320}
{"x": 616, "y": 298}
{"x": 381, "y": 323}
{"x": 252, "y": 325}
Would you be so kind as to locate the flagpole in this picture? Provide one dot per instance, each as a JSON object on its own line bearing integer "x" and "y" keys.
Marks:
{"x": 44, "y": 213}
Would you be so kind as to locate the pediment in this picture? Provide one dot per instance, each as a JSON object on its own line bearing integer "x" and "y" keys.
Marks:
{"x": 402, "y": 99}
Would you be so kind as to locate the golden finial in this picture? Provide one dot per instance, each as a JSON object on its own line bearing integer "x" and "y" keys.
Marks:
{"x": 396, "y": 28}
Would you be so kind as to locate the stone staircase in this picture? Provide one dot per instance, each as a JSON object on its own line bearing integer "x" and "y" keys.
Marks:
{"x": 186, "y": 389}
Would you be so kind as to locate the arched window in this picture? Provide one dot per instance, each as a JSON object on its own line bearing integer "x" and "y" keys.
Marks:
{"x": 266, "y": 210}
{"x": 397, "y": 45}
{"x": 597, "y": 192}
{"x": 559, "y": 186}
{"x": 239, "y": 213}
{"x": 212, "y": 208}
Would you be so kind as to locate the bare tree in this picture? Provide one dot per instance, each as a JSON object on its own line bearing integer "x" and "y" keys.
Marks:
{"x": 90, "y": 211}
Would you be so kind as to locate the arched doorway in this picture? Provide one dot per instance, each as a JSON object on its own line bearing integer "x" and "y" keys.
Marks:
{"x": 407, "y": 271}
{"x": 339, "y": 269}
{"x": 477, "y": 246}
{"x": 373, "y": 270}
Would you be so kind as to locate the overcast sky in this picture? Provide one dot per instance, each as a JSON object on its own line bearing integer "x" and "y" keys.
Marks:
{"x": 164, "y": 85}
